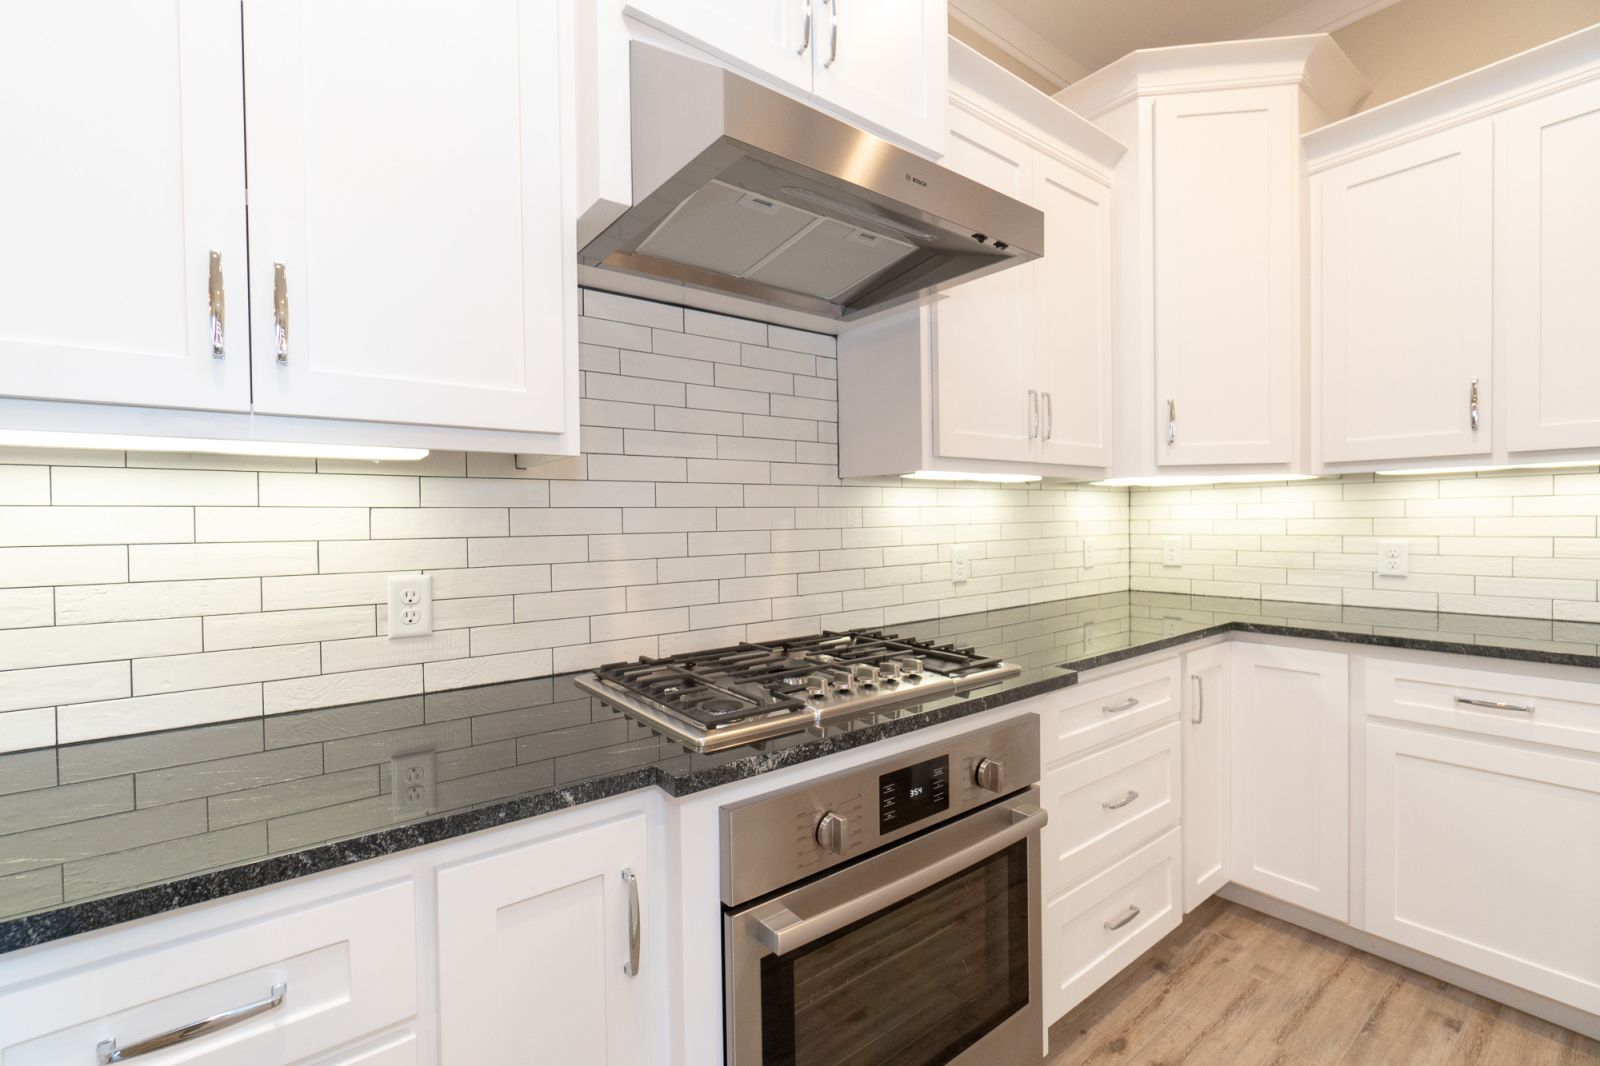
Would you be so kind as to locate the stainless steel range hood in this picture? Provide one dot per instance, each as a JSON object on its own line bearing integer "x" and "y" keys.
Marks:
{"x": 744, "y": 191}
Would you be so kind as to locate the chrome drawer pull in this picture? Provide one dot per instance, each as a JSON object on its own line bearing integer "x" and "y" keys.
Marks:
{"x": 280, "y": 314}
{"x": 1126, "y": 705}
{"x": 1495, "y": 705}
{"x": 217, "y": 303}
{"x": 1200, "y": 699}
{"x": 1114, "y": 805}
{"x": 1133, "y": 912}
{"x": 107, "y": 1050}
{"x": 631, "y": 967}
{"x": 805, "y": 39}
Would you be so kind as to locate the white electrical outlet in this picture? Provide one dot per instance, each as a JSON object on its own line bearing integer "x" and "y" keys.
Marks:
{"x": 1394, "y": 558}
{"x": 1170, "y": 626}
{"x": 960, "y": 564}
{"x": 410, "y": 605}
{"x": 1171, "y": 551}
{"x": 412, "y": 779}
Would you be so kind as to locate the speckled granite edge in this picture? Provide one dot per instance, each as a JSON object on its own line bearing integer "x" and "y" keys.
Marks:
{"x": 1085, "y": 663}
{"x": 74, "y": 918}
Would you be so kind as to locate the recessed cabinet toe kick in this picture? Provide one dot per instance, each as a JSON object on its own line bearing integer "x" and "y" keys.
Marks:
{"x": 923, "y": 945}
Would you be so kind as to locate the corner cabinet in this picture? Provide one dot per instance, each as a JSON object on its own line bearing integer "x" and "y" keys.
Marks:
{"x": 1207, "y": 782}
{"x": 880, "y": 64}
{"x": 1209, "y": 218}
{"x": 407, "y": 272}
{"x": 1455, "y": 251}
{"x": 1290, "y": 770}
{"x": 1011, "y": 372}
{"x": 543, "y": 955}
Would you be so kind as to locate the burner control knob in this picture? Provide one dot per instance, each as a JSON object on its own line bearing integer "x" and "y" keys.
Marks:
{"x": 989, "y": 774}
{"x": 863, "y": 674}
{"x": 889, "y": 670}
{"x": 912, "y": 667}
{"x": 817, "y": 685}
{"x": 830, "y": 832}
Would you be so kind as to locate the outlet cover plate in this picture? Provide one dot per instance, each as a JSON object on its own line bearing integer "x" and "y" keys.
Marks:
{"x": 412, "y": 778}
{"x": 1171, "y": 551}
{"x": 410, "y": 605}
{"x": 1394, "y": 558}
{"x": 960, "y": 563}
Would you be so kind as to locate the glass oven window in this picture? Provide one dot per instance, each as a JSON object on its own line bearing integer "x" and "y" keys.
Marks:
{"x": 913, "y": 985}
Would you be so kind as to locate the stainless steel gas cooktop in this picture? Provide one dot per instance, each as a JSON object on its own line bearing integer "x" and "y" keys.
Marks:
{"x": 726, "y": 697}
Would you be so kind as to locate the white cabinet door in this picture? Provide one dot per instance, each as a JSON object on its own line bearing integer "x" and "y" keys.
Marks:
{"x": 885, "y": 62}
{"x": 983, "y": 330}
{"x": 532, "y": 944}
{"x": 409, "y": 170}
{"x": 1402, "y": 284}
{"x": 1072, "y": 315}
{"x": 1206, "y": 788}
{"x": 1226, "y": 265}
{"x": 1291, "y": 775}
{"x": 1484, "y": 853}
{"x": 1548, "y": 222}
{"x": 123, "y": 134}
{"x": 775, "y": 38}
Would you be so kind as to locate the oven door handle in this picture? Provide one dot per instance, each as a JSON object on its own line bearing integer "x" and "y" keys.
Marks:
{"x": 784, "y": 931}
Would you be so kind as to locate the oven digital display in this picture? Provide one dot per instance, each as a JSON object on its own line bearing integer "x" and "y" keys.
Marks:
{"x": 908, "y": 795}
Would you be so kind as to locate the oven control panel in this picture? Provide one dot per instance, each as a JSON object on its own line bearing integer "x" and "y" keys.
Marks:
{"x": 781, "y": 837}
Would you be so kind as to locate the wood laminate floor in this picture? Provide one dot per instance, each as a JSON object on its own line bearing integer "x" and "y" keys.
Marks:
{"x": 1233, "y": 986}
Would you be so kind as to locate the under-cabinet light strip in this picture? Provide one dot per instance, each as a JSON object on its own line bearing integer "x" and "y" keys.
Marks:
{"x": 132, "y": 442}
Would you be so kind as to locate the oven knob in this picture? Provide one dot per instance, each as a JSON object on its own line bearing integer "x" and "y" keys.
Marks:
{"x": 830, "y": 832}
{"x": 889, "y": 670}
{"x": 912, "y": 667}
{"x": 864, "y": 675}
{"x": 989, "y": 774}
{"x": 817, "y": 685}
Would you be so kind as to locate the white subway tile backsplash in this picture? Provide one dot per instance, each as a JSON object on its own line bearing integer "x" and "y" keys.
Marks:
{"x": 177, "y": 562}
{"x": 326, "y": 690}
{"x": 399, "y": 523}
{"x": 94, "y": 721}
{"x": 209, "y": 669}
{"x": 78, "y": 604}
{"x": 24, "y": 484}
{"x": 21, "y": 649}
{"x": 21, "y": 730}
{"x": 119, "y": 486}
{"x": 285, "y": 627}
{"x": 43, "y": 526}
{"x": 338, "y": 490}
{"x": 280, "y": 523}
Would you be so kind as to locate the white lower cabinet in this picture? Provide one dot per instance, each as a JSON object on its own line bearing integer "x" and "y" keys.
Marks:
{"x": 346, "y": 967}
{"x": 1206, "y": 787}
{"x": 1486, "y": 853}
{"x": 534, "y": 952}
{"x": 1100, "y": 926}
{"x": 1290, "y": 775}
{"x": 1103, "y": 804}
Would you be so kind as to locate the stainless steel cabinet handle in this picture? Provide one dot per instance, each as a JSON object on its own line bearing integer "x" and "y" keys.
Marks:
{"x": 1200, "y": 699}
{"x": 1133, "y": 912}
{"x": 833, "y": 46}
{"x": 1033, "y": 413}
{"x": 1126, "y": 705}
{"x": 631, "y": 967}
{"x": 218, "y": 302}
{"x": 1049, "y": 416}
{"x": 280, "y": 315}
{"x": 107, "y": 1050}
{"x": 1118, "y": 804}
{"x": 1172, "y": 421}
{"x": 1495, "y": 705}
{"x": 1473, "y": 409}
{"x": 805, "y": 38}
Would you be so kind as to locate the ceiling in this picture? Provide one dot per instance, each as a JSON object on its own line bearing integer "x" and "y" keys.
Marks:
{"x": 1062, "y": 40}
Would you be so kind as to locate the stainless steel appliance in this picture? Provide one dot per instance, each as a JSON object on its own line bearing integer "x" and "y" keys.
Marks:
{"x": 742, "y": 190}
{"x": 889, "y": 915}
{"x": 726, "y": 697}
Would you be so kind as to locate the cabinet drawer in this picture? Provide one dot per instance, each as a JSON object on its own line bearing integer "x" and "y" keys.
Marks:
{"x": 1099, "y": 711}
{"x": 1537, "y": 709}
{"x": 1139, "y": 896}
{"x": 348, "y": 966}
{"x": 1103, "y": 804}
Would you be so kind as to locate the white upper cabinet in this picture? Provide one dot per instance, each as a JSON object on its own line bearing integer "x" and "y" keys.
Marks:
{"x": 1549, "y": 226}
{"x": 983, "y": 331}
{"x": 1012, "y": 372}
{"x": 1403, "y": 275}
{"x": 883, "y": 61}
{"x": 411, "y": 239}
{"x": 879, "y": 63}
{"x": 1455, "y": 247}
{"x": 1226, "y": 231}
{"x": 1208, "y": 223}
{"x": 1072, "y": 315}
{"x": 775, "y": 37}
{"x": 123, "y": 177}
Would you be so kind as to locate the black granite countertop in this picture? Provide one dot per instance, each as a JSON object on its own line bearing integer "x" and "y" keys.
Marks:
{"x": 98, "y": 833}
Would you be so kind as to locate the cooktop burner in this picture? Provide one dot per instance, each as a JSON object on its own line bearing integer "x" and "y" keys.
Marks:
{"x": 724, "y": 697}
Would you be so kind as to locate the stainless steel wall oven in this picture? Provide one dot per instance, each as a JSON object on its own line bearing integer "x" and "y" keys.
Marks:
{"x": 888, "y": 915}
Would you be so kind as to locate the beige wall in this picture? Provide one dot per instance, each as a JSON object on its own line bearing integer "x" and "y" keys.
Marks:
{"x": 1418, "y": 43}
